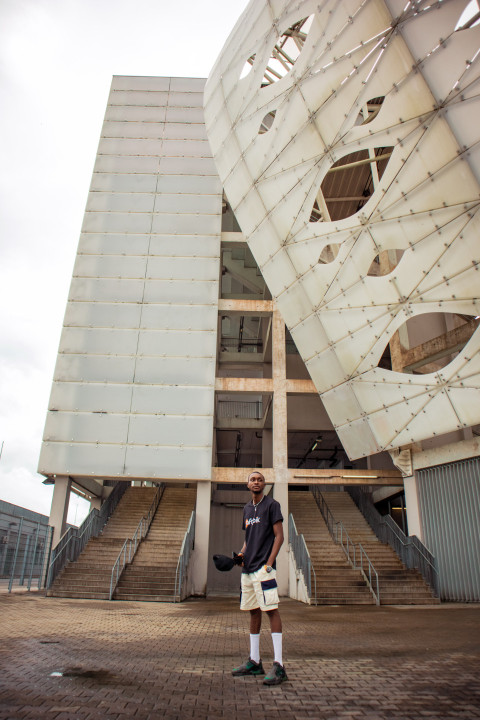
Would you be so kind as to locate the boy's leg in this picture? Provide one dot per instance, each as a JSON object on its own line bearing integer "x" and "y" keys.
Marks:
{"x": 255, "y": 625}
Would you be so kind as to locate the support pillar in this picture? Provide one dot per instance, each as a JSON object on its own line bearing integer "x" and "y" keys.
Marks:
{"x": 59, "y": 509}
{"x": 412, "y": 507}
{"x": 202, "y": 535}
{"x": 280, "y": 439}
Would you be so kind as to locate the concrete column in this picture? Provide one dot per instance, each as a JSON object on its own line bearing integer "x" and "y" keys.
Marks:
{"x": 279, "y": 369}
{"x": 412, "y": 507}
{"x": 280, "y": 439}
{"x": 59, "y": 509}
{"x": 202, "y": 534}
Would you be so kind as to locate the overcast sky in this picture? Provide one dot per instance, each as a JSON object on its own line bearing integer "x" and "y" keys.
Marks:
{"x": 57, "y": 58}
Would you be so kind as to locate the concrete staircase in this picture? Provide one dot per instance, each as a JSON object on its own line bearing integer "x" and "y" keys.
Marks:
{"x": 89, "y": 576}
{"x": 398, "y": 585}
{"x": 337, "y": 582}
{"x": 151, "y": 575}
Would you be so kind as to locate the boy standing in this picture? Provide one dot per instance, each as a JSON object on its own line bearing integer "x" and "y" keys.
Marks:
{"x": 262, "y": 522}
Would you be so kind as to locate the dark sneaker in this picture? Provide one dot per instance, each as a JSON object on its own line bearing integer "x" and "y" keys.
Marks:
{"x": 249, "y": 668}
{"x": 276, "y": 675}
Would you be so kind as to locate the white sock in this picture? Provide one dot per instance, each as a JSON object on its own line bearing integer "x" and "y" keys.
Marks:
{"x": 255, "y": 648}
{"x": 277, "y": 647}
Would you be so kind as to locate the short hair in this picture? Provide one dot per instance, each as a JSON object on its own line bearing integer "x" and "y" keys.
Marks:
{"x": 256, "y": 472}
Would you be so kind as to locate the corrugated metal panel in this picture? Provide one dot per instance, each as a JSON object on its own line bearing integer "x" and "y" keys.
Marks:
{"x": 449, "y": 498}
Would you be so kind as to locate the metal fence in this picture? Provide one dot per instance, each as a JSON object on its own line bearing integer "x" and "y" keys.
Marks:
{"x": 302, "y": 557}
{"x": 75, "y": 539}
{"x": 188, "y": 544}
{"x": 25, "y": 546}
{"x": 411, "y": 551}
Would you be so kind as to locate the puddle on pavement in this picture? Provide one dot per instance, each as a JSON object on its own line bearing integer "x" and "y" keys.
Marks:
{"x": 102, "y": 677}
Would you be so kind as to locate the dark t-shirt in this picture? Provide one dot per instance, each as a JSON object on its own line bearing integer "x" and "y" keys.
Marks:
{"x": 258, "y": 524}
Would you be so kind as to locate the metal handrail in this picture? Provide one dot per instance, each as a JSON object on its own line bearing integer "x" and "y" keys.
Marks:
{"x": 183, "y": 559}
{"x": 351, "y": 549}
{"x": 74, "y": 540}
{"x": 142, "y": 529}
{"x": 302, "y": 557}
{"x": 411, "y": 551}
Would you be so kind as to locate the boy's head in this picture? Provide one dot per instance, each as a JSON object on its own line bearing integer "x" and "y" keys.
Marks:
{"x": 256, "y": 482}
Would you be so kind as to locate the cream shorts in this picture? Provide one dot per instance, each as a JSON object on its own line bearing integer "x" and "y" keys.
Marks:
{"x": 259, "y": 590}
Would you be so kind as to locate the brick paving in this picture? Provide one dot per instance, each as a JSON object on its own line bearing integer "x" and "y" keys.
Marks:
{"x": 149, "y": 661}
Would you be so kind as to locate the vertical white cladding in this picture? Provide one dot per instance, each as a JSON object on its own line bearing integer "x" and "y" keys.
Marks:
{"x": 133, "y": 391}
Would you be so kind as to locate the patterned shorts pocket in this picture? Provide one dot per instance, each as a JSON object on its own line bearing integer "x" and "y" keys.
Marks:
{"x": 270, "y": 592}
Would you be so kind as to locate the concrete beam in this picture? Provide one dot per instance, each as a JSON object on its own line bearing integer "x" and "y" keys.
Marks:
{"x": 244, "y": 385}
{"x": 256, "y": 308}
{"x": 312, "y": 477}
{"x": 301, "y": 387}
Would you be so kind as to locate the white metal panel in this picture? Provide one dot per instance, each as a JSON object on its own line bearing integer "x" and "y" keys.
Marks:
{"x": 135, "y": 222}
{"x": 90, "y": 427}
{"x": 194, "y": 268}
{"x": 138, "y": 97}
{"x": 179, "y": 317}
{"x": 185, "y": 246}
{"x": 183, "y": 203}
{"x": 185, "y": 99}
{"x": 174, "y": 462}
{"x": 175, "y": 371}
{"x": 99, "y": 341}
{"x": 114, "y": 266}
{"x": 106, "y": 289}
{"x": 107, "y": 315}
{"x": 426, "y": 202}
{"x": 124, "y": 183}
{"x": 191, "y": 184}
{"x": 93, "y": 397}
{"x": 187, "y": 166}
{"x": 120, "y": 201}
{"x": 164, "y": 430}
{"x": 192, "y": 343}
{"x": 192, "y": 115}
{"x": 126, "y": 164}
{"x": 95, "y": 368}
{"x": 96, "y": 460}
{"x": 113, "y": 244}
{"x": 172, "y": 400}
{"x": 131, "y": 129}
{"x": 184, "y": 131}
{"x": 179, "y": 291}
{"x": 135, "y": 113}
{"x": 182, "y": 224}
{"x": 139, "y": 82}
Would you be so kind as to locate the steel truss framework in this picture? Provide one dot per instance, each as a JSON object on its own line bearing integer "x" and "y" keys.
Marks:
{"x": 391, "y": 87}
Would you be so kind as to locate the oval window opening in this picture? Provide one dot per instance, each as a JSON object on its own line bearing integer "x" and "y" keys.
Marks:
{"x": 286, "y": 51}
{"x": 370, "y": 110}
{"x": 385, "y": 262}
{"x": 247, "y": 67}
{"x": 427, "y": 343}
{"x": 267, "y": 122}
{"x": 329, "y": 253}
{"x": 351, "y": 181}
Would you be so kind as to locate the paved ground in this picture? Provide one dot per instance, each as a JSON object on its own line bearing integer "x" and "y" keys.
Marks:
{"x": 121, "y": 660}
